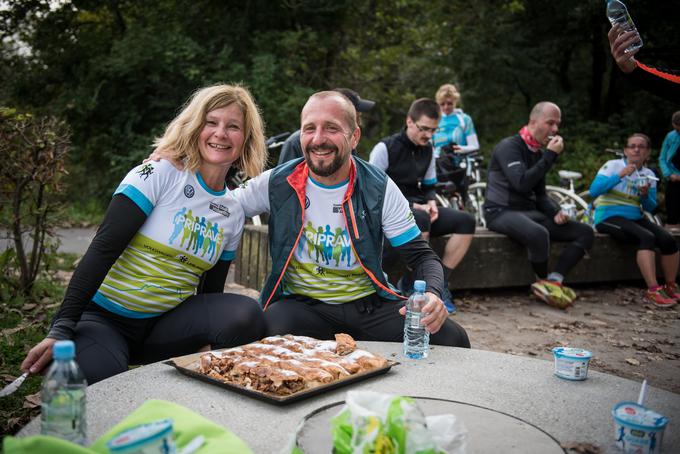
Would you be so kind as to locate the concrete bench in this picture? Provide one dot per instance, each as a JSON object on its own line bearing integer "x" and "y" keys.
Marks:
{"x": 492, "y": 261}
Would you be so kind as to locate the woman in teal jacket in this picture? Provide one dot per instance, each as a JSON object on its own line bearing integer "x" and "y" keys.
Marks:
{"x": 669, "y": 161}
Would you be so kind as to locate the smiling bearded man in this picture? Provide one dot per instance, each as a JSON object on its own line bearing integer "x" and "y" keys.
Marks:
{"x": 342, "y": 209}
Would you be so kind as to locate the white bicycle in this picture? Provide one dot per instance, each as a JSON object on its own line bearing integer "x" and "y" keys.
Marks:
{"x": 472, "y": 198}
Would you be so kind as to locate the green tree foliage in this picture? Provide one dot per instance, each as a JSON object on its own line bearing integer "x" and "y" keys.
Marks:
{"x": 118, "y": 70}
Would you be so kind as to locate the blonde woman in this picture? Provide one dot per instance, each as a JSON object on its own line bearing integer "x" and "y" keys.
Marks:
{"x": 455, "y": 126}
{"x": 150, "y": 285}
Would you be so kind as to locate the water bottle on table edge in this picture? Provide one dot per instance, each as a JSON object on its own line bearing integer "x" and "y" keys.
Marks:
{"x": 618, "y": 14}
{"x": 416, "y": 337}
{"x": 63, "y": 396}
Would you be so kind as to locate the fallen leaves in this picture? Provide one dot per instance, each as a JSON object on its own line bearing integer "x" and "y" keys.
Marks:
{"x": 32, "y": 400}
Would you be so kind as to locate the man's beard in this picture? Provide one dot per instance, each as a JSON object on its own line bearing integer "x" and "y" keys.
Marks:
{"x": 328, "y": 169}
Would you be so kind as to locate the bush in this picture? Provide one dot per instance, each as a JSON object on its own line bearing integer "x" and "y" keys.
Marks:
{"x": 33, "y": 150}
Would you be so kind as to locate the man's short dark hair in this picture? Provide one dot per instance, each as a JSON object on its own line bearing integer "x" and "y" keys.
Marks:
{"x": 675, "y": 119}
{"x": 424, "y": 106}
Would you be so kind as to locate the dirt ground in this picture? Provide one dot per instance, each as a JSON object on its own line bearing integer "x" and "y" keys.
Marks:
{"x": 627, "y": 337}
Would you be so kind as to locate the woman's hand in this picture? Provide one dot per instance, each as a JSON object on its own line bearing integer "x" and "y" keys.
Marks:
{"x": 618, "y": 43}
{"x": 630, "y": 168}
{"x": 39, "y": 356}
{"x": 156, "y": 156}
{"x": 643, "y": 190}
{"x": 434, "y": 311}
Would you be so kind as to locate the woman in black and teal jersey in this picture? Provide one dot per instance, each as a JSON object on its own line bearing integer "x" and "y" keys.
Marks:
{"x": 150, "y": 286}
{"x": 622, "y": 189}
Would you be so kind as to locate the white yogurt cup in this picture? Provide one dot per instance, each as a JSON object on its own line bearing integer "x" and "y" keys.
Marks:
{"x": 152, "y": 438}
{"x": 638, "y": 429}
{"x": 571, "y": 363}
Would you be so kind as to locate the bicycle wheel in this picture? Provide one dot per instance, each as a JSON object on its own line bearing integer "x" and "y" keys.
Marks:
{"x": 475, "y": 202}
{"x": 565, "y": 198}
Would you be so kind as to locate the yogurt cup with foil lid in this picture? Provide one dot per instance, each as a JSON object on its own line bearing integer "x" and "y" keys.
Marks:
{"x": 152, "y": 438}
{"x": 571, "y": 363}
{"x": 637, "y": 429}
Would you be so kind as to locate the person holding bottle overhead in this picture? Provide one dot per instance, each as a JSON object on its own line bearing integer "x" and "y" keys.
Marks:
{"x": 621, "y": 189}
{"x": 147, "y": 288}
{"x": 625, "y": 42}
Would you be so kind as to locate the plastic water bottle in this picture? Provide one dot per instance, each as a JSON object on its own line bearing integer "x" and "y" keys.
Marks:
{"x": 63, "y": 396}
{"x": 618, "y": 14}
{"x": 416, "y": 337}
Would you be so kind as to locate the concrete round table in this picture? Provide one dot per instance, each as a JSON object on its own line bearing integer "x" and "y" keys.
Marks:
{"x": 522, "y": 387}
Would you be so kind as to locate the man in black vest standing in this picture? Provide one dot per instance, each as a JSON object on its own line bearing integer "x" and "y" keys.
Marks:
{"x": 407, "y": 157}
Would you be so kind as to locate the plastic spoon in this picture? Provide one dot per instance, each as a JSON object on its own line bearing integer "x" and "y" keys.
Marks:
{"x": 643, "y": 392}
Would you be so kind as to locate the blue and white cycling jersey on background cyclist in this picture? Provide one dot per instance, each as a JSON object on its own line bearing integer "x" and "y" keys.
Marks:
{"x": 456, "y": 128}
{"x": 616, "y": 196}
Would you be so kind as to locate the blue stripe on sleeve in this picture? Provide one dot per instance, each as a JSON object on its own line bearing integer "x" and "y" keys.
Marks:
{"x": 405, "y": 237}
{"x": 228, "y": 256}
{"x": 603, "y": 183}
{"x": 430, "y": 182}
{"x": 136, "y": 196}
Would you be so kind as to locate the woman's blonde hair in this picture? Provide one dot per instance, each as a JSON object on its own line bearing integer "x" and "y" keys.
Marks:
{"x": 180, "y": 140}
{"x": 447, "y": 91}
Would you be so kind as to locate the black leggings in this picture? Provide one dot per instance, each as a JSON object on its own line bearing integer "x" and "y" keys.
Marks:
{"x": 107, "y": 343}
{"x": 673, "y": 201}
{"x": 449, "y": 221}
{"x": 534, "y": 230}
{"x": 371, "y": 319}
{"x": 643, "y": 233}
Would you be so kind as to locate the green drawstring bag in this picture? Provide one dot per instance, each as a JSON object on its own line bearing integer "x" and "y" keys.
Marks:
{"x": 186, "y": 426}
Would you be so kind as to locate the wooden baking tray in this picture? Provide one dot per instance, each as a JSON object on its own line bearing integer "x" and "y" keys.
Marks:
{"x": 189, "y": 365}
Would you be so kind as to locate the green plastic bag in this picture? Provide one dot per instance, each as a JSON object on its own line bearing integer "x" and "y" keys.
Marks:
{"x": 377, "y": 423}
{"x": 186, "y": 426}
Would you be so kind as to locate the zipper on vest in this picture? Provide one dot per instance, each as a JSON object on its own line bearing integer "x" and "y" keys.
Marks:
{"x": 370, "y": 275}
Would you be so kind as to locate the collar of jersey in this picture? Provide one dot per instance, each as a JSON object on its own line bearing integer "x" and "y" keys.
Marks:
{"x": 208, "y": 190}
{"x": 334, "y": 186}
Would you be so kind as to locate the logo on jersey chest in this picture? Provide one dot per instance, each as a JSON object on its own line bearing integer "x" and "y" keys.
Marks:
{"x": 220, "y": 208}
{"x": 189, "y": 191}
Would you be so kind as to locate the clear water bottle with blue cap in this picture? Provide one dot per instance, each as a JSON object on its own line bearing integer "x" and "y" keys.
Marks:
{"x": 416, "y": 337}
{"x": 618, "y": 14}
{"x": 63, "y": 396}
